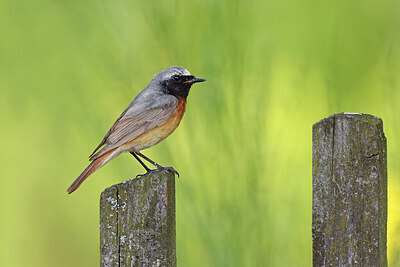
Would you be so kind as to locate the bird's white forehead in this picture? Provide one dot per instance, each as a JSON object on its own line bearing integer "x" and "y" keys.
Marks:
{"x": 171, "y": 71}
{"x": 185, "y": 72}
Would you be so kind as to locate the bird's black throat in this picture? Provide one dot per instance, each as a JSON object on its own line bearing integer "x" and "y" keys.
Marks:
{"x": 177, "y": 87}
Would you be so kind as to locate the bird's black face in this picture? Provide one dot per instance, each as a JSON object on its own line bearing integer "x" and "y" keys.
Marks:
{"x": 179, "y": 85}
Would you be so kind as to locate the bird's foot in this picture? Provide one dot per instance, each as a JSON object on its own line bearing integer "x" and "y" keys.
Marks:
{"x": 168, "y": 168}
{"x": 141, "y": 175}
{"x": 145, "y": 174}
{"x": 159, "y": 167}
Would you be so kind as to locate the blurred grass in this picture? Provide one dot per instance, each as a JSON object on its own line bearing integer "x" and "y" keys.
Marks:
{"x": 68, "y": 69}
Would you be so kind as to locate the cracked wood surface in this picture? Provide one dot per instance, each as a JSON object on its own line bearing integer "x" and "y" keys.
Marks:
{"x": 349, "y": 191}
{"x": 137, "y": 222}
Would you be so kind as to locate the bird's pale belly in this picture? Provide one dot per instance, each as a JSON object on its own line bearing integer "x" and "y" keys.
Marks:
{"x": 159, "y": 133}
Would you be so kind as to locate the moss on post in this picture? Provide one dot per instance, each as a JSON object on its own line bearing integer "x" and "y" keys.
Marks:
{"x": 349, "y": 191}
{"x": 137, "y": 222}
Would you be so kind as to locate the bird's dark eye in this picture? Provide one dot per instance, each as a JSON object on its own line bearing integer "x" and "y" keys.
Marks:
{"x": 176, "y": 78}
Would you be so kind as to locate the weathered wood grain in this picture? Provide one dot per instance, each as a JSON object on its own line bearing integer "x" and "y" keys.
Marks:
{"x": 137, "y": 222}
{"x": 349, "y": 191}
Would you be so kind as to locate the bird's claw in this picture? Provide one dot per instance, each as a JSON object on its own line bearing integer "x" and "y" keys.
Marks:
{"x": 159, "y": 167}
{"x": 168, "y": 168}
{"x": 145, "y": 174}
{"x": 142, "y": 175}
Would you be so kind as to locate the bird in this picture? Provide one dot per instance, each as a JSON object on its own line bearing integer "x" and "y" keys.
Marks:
{"x": 150, "y": 118}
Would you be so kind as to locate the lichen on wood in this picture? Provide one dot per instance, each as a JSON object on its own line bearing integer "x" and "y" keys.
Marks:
{"x": 137, "y": 222}
{"x": 349, "y": 191}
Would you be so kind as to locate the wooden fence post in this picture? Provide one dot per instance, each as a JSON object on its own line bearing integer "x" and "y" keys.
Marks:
{"x": 349, "y": 191}
{"x": 137, "y": 222}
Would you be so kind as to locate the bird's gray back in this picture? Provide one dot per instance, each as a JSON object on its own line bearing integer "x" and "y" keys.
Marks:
{"x": 150, "y": 98}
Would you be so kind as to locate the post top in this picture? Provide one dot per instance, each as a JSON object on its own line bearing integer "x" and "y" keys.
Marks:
{"x": 368, "y": 118}
{"x": 155, "y": 175}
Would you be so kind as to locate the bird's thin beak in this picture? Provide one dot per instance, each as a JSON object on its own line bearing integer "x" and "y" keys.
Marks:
{"x": 195, "y": 80}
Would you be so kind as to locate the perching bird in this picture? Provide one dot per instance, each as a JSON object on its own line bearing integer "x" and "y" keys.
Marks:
{"x": 152, "y": 116}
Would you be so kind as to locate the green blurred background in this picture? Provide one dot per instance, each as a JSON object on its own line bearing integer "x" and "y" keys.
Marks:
{"x": 273, "y": 68}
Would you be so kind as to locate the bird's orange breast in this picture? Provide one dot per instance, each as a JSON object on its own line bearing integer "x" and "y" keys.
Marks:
{"x": 159, "y": 133}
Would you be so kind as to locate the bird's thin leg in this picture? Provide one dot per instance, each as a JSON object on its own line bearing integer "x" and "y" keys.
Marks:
{"x": 140, "y": 161}
{"x": 155, "y": 164}
{"x": 149, "y": 160}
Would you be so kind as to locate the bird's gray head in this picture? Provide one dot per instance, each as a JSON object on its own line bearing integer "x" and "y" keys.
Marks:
{"x": 175, "y": 80}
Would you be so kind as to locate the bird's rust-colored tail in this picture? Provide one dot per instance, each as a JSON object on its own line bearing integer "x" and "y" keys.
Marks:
{"x": 93, "y": 166}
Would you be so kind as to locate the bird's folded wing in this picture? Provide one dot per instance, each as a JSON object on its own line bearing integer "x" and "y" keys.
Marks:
{"x": 128, "y": 127}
